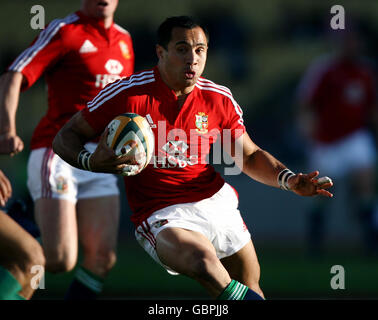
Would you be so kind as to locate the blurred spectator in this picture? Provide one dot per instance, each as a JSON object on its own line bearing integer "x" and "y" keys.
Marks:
{"x": 337, "y": 98}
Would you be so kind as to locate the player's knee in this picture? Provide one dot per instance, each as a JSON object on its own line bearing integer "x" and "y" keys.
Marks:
{"x": 31, "y": 255}
{"x": 59, "y": 263}
{"x": 106, "y": 259}
{"x": 101, "y": 261}
{"x": 36, "y": 256}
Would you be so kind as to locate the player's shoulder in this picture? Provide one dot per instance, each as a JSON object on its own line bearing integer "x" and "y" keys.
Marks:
{"x": 208, "y": 87}
{"x": 124, "y": 88}
{"x": 138, "y": 79}
{"x": 60, "y": 26}
{"x": 121, "y": 30}
{"x": 64, "y": 22}
{"x": 323, "y": 63}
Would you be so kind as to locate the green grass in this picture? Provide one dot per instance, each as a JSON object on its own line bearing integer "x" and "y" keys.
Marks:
{"x": 285, "y": 274}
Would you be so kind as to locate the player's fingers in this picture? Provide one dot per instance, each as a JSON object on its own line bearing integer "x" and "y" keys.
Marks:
{"x": 324, "y": 193}
{"x": 313, "y": 174}
{"x": 19, "y": 145}
{"x": 5, "y": 184}
{"x": 5, "y": 190}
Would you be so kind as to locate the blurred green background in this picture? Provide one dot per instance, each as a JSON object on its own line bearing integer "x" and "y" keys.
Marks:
{"x": 260, "y": 49}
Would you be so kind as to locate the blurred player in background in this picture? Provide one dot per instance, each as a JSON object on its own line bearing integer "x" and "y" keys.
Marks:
{"x": 338, "y": 109}
{"x": 78, "y": 55}
{"x": 186, "y": 216}
{"x": 19, "y": 252}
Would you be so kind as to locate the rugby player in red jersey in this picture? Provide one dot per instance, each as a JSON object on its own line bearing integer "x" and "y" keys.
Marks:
{"x": 338, "y": 114}
{"x": 78, "y": 55}
{"x": 185, "y": 215}
{"x": 19, "y": 253}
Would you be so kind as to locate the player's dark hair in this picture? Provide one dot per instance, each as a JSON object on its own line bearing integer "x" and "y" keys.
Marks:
{"x": 164, "y": 32}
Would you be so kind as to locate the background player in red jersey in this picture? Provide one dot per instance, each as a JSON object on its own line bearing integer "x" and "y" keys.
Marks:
{"x": 186, "y": 216}
{"x": 19, "y": 252}
{"x": 338, "y": 116}
{"x": 78, "y": 55}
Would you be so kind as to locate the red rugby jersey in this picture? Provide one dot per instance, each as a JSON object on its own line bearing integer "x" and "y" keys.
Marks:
{"x": 78, "y": 57}
{"x": 342, "y": 93}
{"x": 178, "y": 171}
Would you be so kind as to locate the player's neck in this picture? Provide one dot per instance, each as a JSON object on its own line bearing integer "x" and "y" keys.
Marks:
{"x": 108, "y": 22}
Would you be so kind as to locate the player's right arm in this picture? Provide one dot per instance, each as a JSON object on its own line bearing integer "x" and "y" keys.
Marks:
{"x": 10, "y": 86}
{"x": 46, "y": 49}
{"x": 70, "y": 141}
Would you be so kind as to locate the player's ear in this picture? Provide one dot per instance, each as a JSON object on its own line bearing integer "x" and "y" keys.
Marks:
{"x": 160, "y": 51}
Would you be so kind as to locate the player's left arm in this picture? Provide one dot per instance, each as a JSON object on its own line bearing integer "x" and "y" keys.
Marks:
{"x": 261, "y": 166}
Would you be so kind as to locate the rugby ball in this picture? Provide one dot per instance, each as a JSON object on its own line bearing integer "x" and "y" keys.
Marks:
{"x": 129, "y": 127}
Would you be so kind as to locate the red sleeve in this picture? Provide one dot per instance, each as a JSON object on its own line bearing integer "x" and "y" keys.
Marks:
{"x": 44, "y": 51}
{"x": 109, "y": 103}
{"x": 130, "y": 49}
{"x": 234, "y": 118}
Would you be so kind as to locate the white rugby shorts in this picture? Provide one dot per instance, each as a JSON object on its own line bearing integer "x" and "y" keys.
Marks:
{"x": 356, "y": 151}
{"x": 217, "y": 218}
{"x": 51, "y": 177}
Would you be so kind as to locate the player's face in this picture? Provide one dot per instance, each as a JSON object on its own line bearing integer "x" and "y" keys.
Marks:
{"x": 99, "y": 8}
{"x": 184, "y": 60}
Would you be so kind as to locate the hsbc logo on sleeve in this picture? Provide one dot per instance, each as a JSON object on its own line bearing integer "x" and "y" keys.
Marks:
{"x": 114, "y": 68}
{"x": 176, "y": 156}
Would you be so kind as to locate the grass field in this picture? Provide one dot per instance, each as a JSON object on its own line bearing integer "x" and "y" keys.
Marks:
{"x": 285, "y": 274}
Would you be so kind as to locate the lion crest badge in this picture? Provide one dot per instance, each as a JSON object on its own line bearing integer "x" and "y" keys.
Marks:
{"x": 202, "y": 123}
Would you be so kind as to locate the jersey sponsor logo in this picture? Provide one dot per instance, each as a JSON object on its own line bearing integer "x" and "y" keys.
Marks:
{"x": 114, "y": 67}
{"x": 176, "y": 156}
{"x": 125, "y": 50}
{"x": 87, "y": 47}
{"x": 175, "y": 147}
{"x": 202, "y": 122}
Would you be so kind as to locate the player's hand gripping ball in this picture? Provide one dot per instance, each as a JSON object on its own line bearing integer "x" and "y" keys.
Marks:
{"x": 124, "y": 129}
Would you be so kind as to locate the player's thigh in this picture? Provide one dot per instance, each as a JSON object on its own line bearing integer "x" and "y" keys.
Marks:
{"x": 56, "y": 219}
{"x": 18, "y": 249}
{"x": 243, "y": 266}
{"x": 98, "y": 223}
{"x": 181, "y": 249}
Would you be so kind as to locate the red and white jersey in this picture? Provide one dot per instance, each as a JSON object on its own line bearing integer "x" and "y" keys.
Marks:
{"x": 178, "y": 171}
{"x": 341, "y": 94}
{"x": 78, "y": 57}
